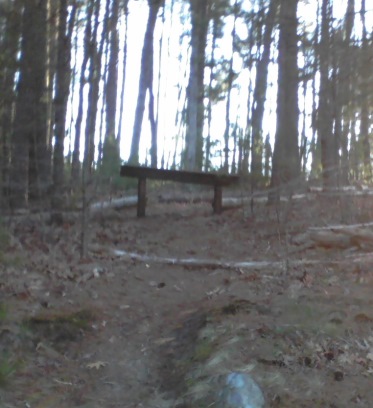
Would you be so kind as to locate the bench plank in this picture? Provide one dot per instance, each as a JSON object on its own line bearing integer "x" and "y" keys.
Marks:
{"x": 182, "y": 176}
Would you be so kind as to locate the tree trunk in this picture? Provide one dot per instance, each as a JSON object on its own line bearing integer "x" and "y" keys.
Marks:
{"x": 40, "y": 155}
{"x": 267, "y": 159}
{"x": 153, "y": 128}
{"x": 110, "y": 148}
{"x": 303, "y": 139}
{"x": 29, "y": 133}
{"x": 63, "y": 76}
{"x": 94, "y": 77}
{"x": 112, "y": 78}
{"x": 366, "y": 100}
{"x": 230, "y": 80}
{"x": 9, "y": 47}
{"x": 145, "y": 81}
{"x": 354, "y": 152}
{"x": 193, "y": 155}
{"x": 286, "y": 166}
{"x": 154, "y": 102}
{"x": 75, "y": 167}
{"x": 343, "y": 90}
{"x": 51, "y": 63}
{"x": 215, "y": 30}
{"x": 325, "y": 118}
{"x": 260, "y": 97}
{"x": 246, "y": 142}
{"x": 121, "y": 108}
{"x": 315, "y": 147}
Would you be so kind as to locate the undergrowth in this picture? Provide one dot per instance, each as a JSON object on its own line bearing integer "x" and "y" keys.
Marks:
{"x": 7, "y": 365}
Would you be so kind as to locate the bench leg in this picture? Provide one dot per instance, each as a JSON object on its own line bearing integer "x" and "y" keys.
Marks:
{"x": 141, "y": 197}
{"x": 218, "y": 199}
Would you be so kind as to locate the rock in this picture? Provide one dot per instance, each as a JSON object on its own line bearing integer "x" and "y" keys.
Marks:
{"x": 239, "y": 390}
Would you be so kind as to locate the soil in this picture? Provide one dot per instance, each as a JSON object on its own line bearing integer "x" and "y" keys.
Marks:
{"x": 131, "y": 324}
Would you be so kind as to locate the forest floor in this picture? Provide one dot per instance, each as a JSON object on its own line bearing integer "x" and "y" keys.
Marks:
{"x": 117, "y": 330}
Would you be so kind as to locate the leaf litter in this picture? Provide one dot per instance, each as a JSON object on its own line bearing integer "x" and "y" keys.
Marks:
{"x": 304, "y": 332}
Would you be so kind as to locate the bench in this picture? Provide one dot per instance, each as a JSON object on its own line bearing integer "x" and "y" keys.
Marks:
{"x": 218, "y": 181}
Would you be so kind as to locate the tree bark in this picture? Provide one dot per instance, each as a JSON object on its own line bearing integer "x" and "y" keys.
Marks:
{"x": 40, "y": 154}
{"x": 62, "y": 88}
{"x": 325, "y": 118}
{"x": 29, "y": 132}
{"x": 112, "y": 78}
{"x": 9, "y": 47}
{"x": 259, "y": 97}
{"x": 146, "y": 75}
{"x": 286, "y": 165}
{"x": 230, "y": 80}
{"x": 342, "y": 76}
{"x": 366, "y": 100}
{"x": 75, "y": 167}
{"x": 193, "y": 155}
{"x": 124, "y": 73}
{"x": 212, "y": 63}
{"x": 94, "y": 77}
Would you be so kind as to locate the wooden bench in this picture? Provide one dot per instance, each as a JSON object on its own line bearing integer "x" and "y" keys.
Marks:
{"x": 218, "y": 181}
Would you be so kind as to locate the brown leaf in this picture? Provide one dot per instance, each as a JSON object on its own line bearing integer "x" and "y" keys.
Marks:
{"x": 362, "y": 318}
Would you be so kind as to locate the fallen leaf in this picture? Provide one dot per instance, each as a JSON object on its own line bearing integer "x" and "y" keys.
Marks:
{"x": 97, "y": 365}
{"x": 370, "y": 356}
{"x": 362, "y": 318}
{"x": 62, "y": 382}
{"x": 165, "y": 340}
{"x": 214, "y": 292}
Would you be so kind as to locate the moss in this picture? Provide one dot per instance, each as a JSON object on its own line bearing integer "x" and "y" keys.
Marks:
{"x": 7, "y": 368}
{"x": 238, "y": 305}
{"x": 3, "y": 312}
{"x": 4, "y": 237}
{"x": 61, "y": 327}
{"x": 203, "y": 350}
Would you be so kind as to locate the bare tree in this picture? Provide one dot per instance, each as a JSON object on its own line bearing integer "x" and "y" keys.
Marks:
{"x": 94, "y": 76}
{"x": 39, "y": 147}
{"x": 366, "y": 100}
{"x": 9, "y": 47}
{"x": 259, "y": 98}
{"x": 230, "y": 79}
{"x": 286, "y": 165}
{"x": 124, "y": 72}
{"x": 29, "y": 132}
{"x": 112, "y": 78}
{"x": 325, "y": 118}
{"x": 200, "y": 11}
{"x": 216, "y": 33}
{"x": 75, "y": 167}
{"x": 146, "y": 78}
{"x": 62, "y": 88}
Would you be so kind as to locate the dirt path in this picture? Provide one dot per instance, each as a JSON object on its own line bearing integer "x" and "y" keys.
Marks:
{"x": 109, "y": 332}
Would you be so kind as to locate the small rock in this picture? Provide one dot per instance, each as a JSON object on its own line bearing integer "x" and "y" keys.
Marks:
{"x": 239, "y": 390}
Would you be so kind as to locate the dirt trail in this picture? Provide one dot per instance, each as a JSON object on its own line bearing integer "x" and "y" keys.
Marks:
{"x": 159, "y": 335}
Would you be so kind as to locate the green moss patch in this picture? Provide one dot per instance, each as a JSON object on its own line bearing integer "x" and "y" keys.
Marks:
{"x": 60, "y": 328}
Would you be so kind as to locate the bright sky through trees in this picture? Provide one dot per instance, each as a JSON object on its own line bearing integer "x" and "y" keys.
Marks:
{"x": 174, "y": 66}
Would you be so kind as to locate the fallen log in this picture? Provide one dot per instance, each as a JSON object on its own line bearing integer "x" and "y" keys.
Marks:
{"x": 338, "y": 236}
{"x": 115, "y": 203}
{"x": 230, "y": 202}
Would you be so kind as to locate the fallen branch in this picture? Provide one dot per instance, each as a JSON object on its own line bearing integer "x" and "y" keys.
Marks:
{"x": 213, "y": 264}
{"x": 115, "y": 203}
{"x": 131, "y": 201}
